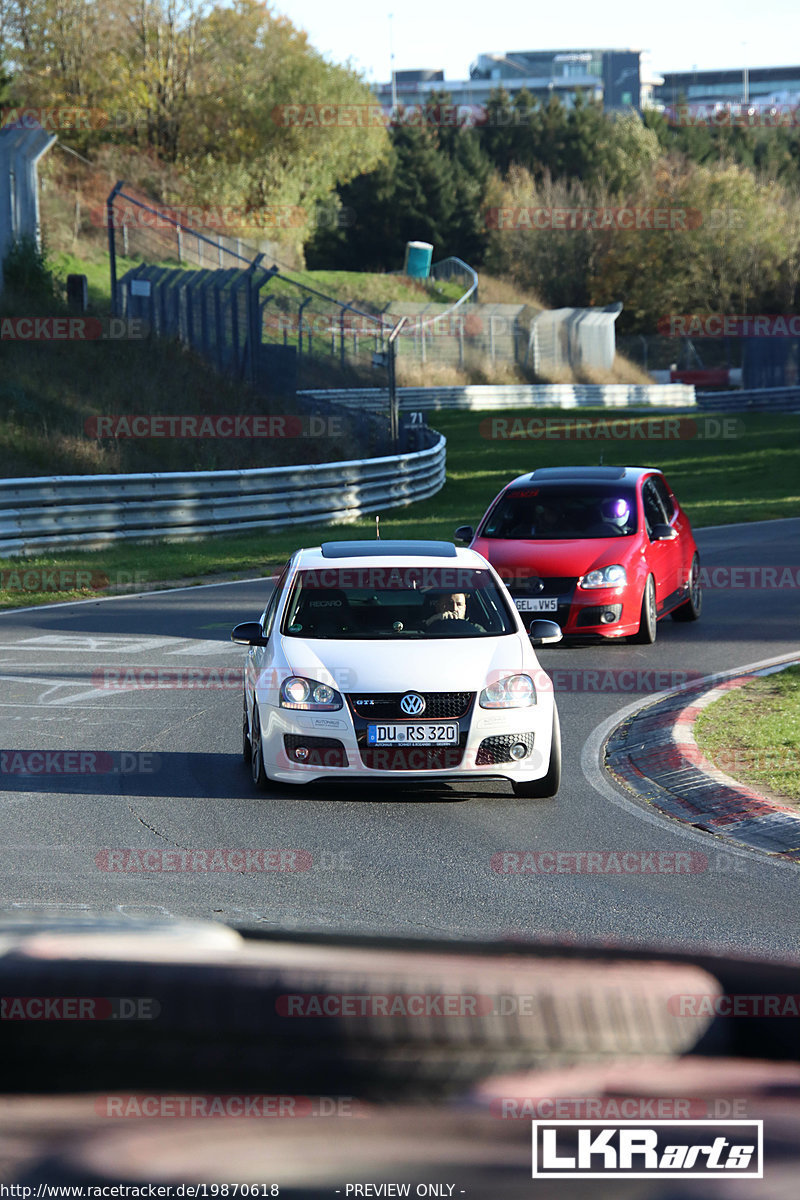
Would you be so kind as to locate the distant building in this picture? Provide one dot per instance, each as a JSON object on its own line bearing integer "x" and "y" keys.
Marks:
{"x": 612, "y": 76}
{"x": 739, "y": 85}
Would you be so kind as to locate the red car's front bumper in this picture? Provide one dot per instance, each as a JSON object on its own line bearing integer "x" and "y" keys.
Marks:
{"x": 609, "y": 612}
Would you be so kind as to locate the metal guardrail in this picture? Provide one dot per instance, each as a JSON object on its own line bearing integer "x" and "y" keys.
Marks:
{"x": 760, "y": 400}
{"x": 93, "y": 511}
{"x": 484, "y": 397}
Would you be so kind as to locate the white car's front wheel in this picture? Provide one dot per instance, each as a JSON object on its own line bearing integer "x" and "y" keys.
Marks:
{"x": 257, "y": 753}
{"x": 548, "y": 785}
{"x": 246, "y": 751}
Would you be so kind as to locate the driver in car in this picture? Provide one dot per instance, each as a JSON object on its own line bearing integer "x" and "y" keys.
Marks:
{"x": 452, "y": 606}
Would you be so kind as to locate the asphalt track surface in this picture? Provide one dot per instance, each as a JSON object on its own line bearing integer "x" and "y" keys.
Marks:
{"x": 392, "y": 859}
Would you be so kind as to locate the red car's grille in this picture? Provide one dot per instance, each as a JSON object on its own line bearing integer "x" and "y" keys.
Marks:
{"x": 551, "y": 585}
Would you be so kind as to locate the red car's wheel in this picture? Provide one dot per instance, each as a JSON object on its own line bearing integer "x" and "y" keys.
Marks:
{"x": 648, "y": 621}
{"x": 690, "y": 611}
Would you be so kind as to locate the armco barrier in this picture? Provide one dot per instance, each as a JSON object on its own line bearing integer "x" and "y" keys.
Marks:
{"x": 760, "y": 400}
{"x": 91, "y": 511}
{"x": 484, "y": 397}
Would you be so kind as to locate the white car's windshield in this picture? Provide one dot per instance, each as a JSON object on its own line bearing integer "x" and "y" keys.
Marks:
{"x": 396, "y": 602}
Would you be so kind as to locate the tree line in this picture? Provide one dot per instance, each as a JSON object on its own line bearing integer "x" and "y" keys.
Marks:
{"x": 538, "y": 194}
{"x": 195, "y": 86}
{"x": 206, "y": 89}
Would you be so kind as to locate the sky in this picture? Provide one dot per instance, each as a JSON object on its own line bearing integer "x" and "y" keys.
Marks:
{"x": 449, "y": 35}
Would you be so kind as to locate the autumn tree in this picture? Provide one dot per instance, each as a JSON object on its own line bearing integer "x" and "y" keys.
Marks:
{"x": 742, "y": 254}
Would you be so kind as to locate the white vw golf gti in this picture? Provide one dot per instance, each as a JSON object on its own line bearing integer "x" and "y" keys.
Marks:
{"x": 397, "y": 659}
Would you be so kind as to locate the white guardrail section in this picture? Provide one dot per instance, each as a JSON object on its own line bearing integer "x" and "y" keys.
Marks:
{"x": 484, "y": 397}
{"x": 92, "y": 511}
{"x": 760, "y": 400}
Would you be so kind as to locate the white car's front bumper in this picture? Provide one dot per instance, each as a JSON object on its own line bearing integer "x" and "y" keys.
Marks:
{"x": 337, "y": 749}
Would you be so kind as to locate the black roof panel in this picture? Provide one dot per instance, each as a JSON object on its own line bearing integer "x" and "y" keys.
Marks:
{"x": 388, "y": 549}
{"x": 543, "y": 474}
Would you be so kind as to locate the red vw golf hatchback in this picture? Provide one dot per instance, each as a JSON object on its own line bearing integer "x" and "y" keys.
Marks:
{"x": 600, "y": 550}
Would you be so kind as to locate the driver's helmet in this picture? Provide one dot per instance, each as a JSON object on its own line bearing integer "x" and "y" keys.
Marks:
{"x": 615, "y": 511}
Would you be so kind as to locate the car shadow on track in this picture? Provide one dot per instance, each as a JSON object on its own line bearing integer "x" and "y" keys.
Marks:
{"x": 182, "y": 775}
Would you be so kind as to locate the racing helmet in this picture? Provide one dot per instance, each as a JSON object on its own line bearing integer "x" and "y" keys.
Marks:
{"x": 615, "y": 511}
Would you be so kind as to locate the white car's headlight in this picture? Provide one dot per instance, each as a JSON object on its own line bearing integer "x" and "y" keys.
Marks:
{"x": 309, "y": 694}
{"x": 516, "y": 691}
{"x": 605, "y": 577}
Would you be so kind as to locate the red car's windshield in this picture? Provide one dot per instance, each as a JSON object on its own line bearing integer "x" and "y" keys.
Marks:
{"x": 567, "y": 511}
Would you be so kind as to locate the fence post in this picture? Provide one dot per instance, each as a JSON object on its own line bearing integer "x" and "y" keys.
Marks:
{"x": 394, "y": 415}
{"x": 303, "y": 303}
{"x": 112, "y": 249}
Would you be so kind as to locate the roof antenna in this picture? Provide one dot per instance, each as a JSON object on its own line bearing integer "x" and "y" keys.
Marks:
{"x": 601, "y": 460}
{"x": 378, "y": 527}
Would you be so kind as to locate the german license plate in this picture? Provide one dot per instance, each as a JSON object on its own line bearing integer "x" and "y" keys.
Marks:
{"x": 418, "y": 735}
{"x": 538, "y": 604}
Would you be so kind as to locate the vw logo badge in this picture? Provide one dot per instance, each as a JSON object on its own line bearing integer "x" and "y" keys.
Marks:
{"x": 412, "y": 704}
{"x": 536, "y": 585}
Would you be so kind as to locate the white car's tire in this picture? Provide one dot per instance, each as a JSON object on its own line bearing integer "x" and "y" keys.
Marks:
{"x": 548, "y": 785}
{"x": 257, "y": 772}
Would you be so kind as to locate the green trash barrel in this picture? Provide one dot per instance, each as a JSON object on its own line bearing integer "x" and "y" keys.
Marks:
{"x": 419, "y": 256}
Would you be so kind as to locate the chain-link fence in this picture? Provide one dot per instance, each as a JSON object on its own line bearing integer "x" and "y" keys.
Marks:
{"x": 183, "y": 235}
{"x": 276, "y": 329}
{"x": 752, "y": 362}
{"x": 326, "y": 336}
{"x": 217, "y": 294}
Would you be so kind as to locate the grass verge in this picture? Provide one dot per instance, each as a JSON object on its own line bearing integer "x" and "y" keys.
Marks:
{"x": 754, "y": 476}
{"x": 753, "y": 734}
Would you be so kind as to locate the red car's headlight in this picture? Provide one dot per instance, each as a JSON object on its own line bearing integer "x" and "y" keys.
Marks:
{"x": 614, "y": 576}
